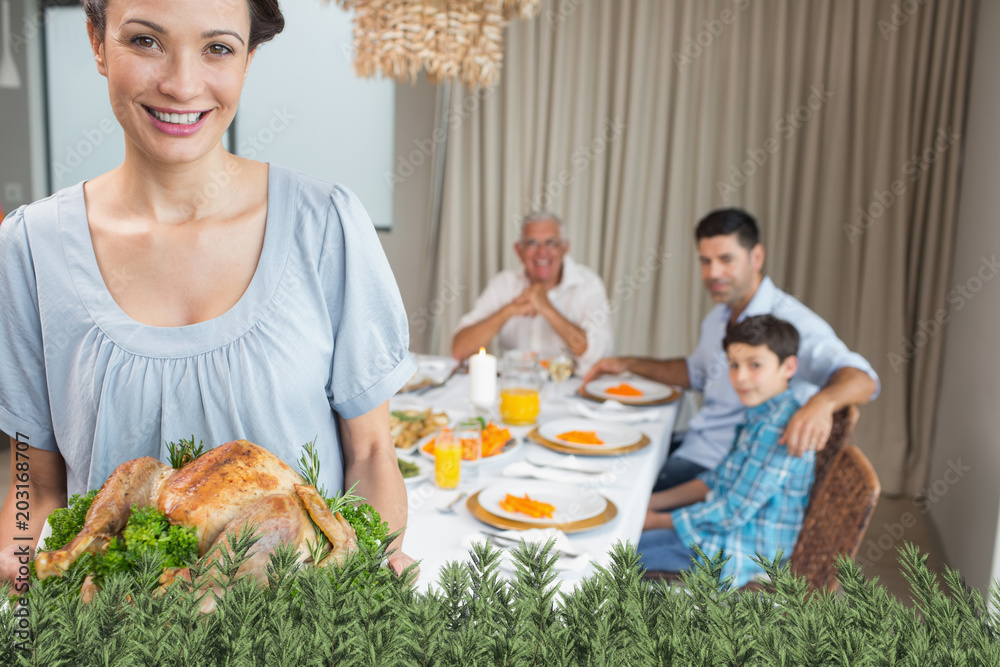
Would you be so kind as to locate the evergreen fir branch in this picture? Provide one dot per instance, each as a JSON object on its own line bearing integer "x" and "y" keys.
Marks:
{"x": 238, "y": 617}
{"x": 235, "y": 551}
{"x": 533, "y": 602}
{"x": 363, "y": 614}
{"x": 382, "y": 594}
{"x": 281, "y": 571}
{"x": 628, "y": 607}
{"x": 454, "y": 581}
{"x": 489, "y": 594}
{"x": 423, "y": 621}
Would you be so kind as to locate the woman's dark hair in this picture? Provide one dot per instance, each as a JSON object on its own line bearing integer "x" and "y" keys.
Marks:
{"x": 266, "y": 20}
{"x": 726, "y": 221}
{"x": 779, "y": 336}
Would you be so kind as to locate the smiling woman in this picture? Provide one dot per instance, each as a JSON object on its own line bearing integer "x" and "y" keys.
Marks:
{"x": 145, "y": 307}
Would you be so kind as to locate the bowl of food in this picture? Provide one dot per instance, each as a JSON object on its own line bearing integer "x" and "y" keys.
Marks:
{"x": 408, "y": 427}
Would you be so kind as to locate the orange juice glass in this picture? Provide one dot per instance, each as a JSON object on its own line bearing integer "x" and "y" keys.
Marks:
{"x": 519, "y": 406}
{"x": 447, "y": 459}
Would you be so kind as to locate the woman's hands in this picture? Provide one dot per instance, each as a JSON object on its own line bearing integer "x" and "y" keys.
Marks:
{"x": 38, "y": 483}
{"x": 400, "y": 561}
{"x": 370, "y": 460}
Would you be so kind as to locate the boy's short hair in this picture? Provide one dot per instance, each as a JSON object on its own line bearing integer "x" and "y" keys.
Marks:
{"x": 781, "y": 337}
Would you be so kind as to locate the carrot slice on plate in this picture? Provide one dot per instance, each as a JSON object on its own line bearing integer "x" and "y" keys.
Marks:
{"x": 581, "y": 437}
{"x": 623, "y": 389}
{"x": 526, "y": 505}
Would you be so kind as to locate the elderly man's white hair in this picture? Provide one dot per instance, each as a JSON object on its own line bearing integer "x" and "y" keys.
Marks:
{"x": 544, "y": 216}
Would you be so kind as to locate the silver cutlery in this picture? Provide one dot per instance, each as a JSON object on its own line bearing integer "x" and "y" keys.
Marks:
{"x": 450, "y": 507}
{"x": 551, "y": 464}
{"x": 505, "y": 542}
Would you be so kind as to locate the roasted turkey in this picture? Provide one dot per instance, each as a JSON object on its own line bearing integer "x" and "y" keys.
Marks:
{"x": 219, "y": 492}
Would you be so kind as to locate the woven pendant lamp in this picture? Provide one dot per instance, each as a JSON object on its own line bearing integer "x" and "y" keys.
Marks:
{"x": 461, "y": 39}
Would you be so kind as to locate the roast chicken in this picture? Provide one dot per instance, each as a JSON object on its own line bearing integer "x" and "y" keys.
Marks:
{"x": 219, "y": 492}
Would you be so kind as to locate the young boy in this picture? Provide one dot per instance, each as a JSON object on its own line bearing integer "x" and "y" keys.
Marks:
{"x": 754, "y": 501}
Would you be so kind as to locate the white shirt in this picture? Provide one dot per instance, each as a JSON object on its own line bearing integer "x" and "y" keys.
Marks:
{"x": 579, "y": 296}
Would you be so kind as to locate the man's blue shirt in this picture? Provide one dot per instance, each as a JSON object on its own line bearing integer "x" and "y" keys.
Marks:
{"x": 710, "y": 432}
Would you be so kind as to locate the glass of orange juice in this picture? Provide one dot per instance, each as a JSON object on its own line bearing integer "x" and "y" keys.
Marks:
{"x": 447, "y": 459}
{"x": 520, "y": 384}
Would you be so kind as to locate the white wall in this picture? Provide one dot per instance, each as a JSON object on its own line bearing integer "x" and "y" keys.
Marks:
{"x": 963, "y": 497}
{"x": 406, "y": 245}
{"x": 302, "y": 107}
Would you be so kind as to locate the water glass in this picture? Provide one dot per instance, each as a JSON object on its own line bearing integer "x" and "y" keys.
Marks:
{"x": 560, "y": 370}
{"x": 470, "y": 436}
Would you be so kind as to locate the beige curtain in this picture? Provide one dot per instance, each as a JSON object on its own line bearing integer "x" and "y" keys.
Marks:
{"x": 838, "y": 124}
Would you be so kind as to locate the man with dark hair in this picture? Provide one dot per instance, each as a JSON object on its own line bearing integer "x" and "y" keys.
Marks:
{"x": 725, "y": 221}
{"x": 829, "y": 375}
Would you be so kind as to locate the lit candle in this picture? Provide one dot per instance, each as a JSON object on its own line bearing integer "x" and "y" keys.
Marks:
{"x": 483, "y": 379}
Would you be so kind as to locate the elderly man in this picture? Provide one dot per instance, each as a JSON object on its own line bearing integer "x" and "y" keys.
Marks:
{"x": 829, "y": 376}
{"x": 549, "y": 305}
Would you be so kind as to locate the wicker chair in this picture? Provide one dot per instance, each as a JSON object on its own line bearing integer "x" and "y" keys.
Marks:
{"x": 836, "y": 520}
{"x": 841, "y": 430}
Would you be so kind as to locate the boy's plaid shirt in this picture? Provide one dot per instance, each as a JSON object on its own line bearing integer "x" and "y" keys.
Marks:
{"x": 757, "y": 495}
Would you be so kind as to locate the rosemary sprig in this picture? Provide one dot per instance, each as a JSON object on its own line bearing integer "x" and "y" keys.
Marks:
{"x": 317, "y": 547}
{"x": 309, "y": 466}
{"x": 339, "y": 502}
{"x": 184, "y": 452}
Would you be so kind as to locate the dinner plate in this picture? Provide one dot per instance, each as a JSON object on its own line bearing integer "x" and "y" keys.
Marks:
{"x": 572, "y": 503}
{"x": 512, "y": 446}
{"x": 592, "y": 451}
{"x": 652, "y": 392}
{"x": 614, "y": 436}
{"x": 497, "y": 521}
{"x": 431, "y": 372}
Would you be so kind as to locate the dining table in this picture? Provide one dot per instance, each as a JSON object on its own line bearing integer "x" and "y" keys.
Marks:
{"x": 434, "y": 538}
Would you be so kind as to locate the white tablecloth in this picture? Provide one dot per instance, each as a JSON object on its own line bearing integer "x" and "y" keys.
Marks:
{"x": 435, "y": 539}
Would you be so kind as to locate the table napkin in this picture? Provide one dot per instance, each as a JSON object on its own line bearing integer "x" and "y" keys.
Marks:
{"x": 611, "y": 410}
{"x": 570, "y": 462}
{"x": 525, "y": 469}
{"x": 563, "y": 563}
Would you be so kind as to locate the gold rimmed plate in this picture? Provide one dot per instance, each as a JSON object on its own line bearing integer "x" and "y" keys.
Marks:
{"x": 613, "y": 436}
{"x": 583, "y": 450}
{"x": 571, "y": 502}
{"x": 653, "y": 393}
